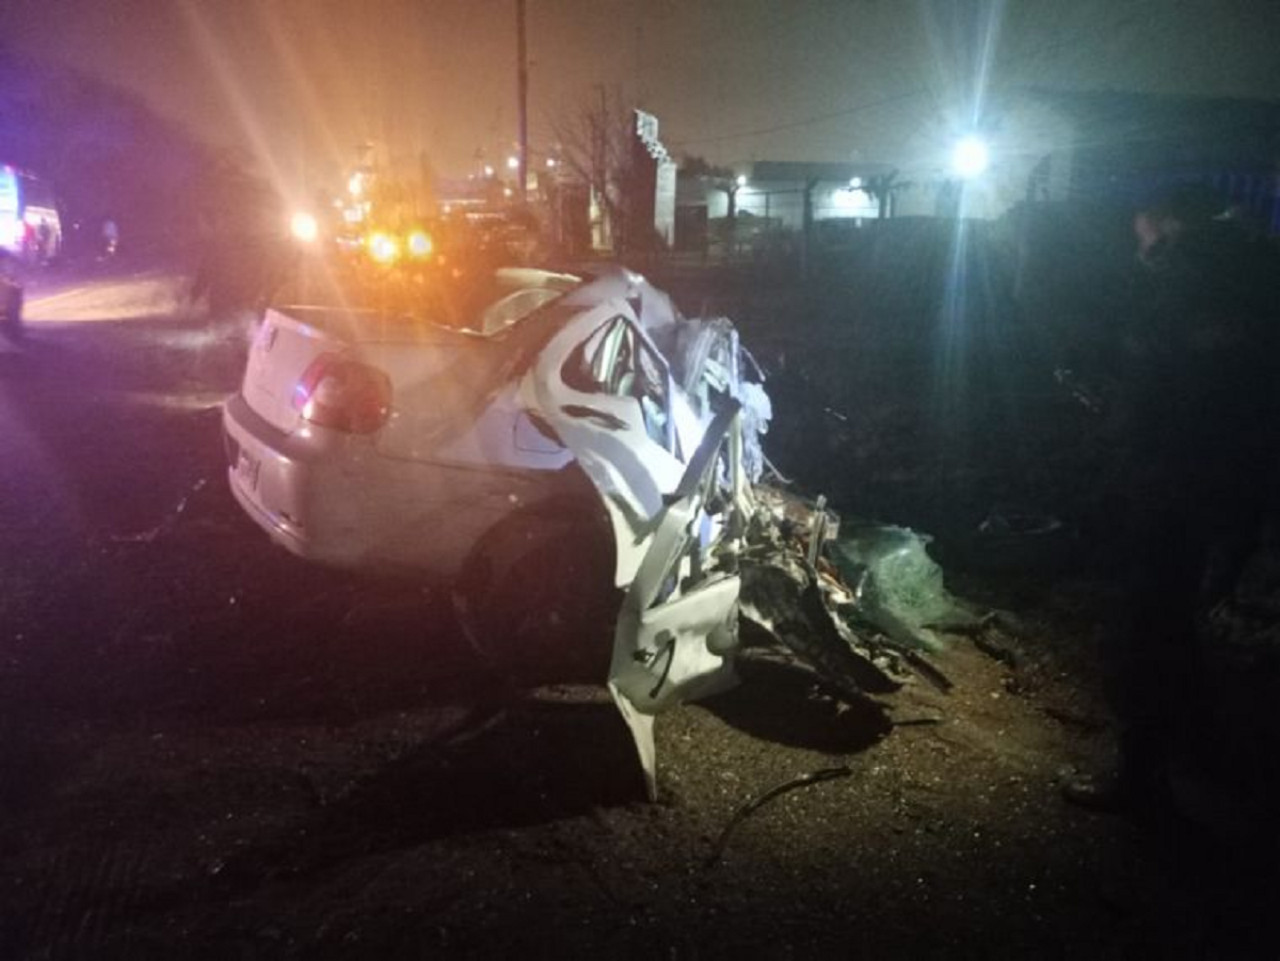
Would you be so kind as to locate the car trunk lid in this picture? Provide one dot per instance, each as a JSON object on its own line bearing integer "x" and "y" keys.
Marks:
{"x": 285, "y": 345}
{"x": 439, "y": 377}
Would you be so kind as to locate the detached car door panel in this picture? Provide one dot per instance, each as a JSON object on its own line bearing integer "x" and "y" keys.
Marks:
{"x": 679, "y": 619}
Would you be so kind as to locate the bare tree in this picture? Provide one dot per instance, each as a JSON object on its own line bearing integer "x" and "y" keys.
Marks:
{"x": 717, "y": 178}
{"x": 724, "y": 180}
{"x": 882, "y": 188}
{"x": 595, "y": 143}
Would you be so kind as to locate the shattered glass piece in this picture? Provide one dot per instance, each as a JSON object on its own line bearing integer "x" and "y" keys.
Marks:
{"x": 898, "y": 586}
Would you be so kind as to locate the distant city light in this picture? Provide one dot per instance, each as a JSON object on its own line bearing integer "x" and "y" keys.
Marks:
{"x": 355, "y": 185}
{"x": 513, "y": 163}
{"x": 551, "y": 162}
{"x": 488, "y": 170}
{"x": 742, "y": 180}
{"x": 970, "y": 158}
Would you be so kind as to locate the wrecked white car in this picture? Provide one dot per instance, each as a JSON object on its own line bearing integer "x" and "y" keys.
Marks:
{"x": 574, "y": 435}
{"x": 472, "y": 447}
{"x": 366, "y": 440}
{"x": 570, "y": 437}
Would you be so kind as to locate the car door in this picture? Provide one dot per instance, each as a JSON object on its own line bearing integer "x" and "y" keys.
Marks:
{"x": 679, "y": 618}
{"x": 607, "y": 393}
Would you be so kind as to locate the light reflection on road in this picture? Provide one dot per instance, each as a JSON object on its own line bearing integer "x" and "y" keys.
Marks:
{"x": 202, "y": 400}
{"x": 156, "y": 315}
{"x": 140, "y": 296}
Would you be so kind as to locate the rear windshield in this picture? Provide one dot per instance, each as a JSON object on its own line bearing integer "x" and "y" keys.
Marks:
{"x": 486, "y": 302}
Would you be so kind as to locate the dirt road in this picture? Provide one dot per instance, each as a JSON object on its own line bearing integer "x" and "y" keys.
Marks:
{"x": 209, "y": 749}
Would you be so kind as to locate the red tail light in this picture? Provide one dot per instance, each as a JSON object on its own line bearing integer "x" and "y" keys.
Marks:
{"x": 343, "y": 394}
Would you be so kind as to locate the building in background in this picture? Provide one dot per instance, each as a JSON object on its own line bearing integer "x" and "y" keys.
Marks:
{"x": 652, "y": 214}
{"x": 772, "y": 203}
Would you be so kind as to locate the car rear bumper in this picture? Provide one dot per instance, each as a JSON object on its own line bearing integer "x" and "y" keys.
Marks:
{"x": 329, "y": 497}
{"x": 269, "y": 472}
{"x": 333, "y": 498}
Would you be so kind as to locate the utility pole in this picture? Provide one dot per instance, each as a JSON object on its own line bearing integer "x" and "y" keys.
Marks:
{"x": 600, "y": 171}
{"x": 522, "y": 87}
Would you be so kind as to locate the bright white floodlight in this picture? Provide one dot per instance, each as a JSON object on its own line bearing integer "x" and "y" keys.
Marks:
{"x": 970, "y": 158}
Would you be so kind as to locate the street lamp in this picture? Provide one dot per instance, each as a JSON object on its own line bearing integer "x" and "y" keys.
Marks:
{"x": 970, "y": 157}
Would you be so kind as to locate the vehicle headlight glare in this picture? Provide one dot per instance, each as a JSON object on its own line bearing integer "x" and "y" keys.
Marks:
{"x": 383, "y": 248}
{"x": 304, "y": 227}
{"x": 420, "y": 245}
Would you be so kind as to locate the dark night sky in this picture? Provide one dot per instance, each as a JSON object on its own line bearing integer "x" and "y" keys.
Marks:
{"x": 299, "y": 82}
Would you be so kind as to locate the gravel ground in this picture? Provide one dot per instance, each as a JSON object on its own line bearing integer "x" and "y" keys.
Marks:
{"x": 210, "y": 749}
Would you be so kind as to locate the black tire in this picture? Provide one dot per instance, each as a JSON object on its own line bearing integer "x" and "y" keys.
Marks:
{"x": 538, "y": 600}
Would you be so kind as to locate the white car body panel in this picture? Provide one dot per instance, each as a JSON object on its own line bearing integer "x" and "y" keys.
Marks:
{"x": 469, "y": 440}
{"x": 333, "y": 499}
{"x": 672, "y": 636}
{"x": 608, "y": 436}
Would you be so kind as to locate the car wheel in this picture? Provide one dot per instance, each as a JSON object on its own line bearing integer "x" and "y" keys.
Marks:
{"x": 538, "y": 601}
